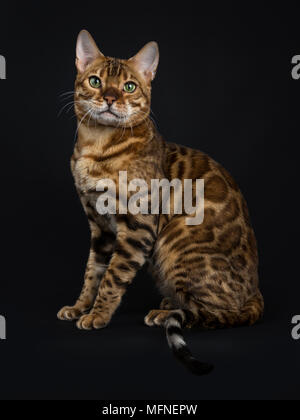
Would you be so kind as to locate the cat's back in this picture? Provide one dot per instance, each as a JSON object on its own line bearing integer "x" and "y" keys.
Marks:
{"x": 186, "y": 163}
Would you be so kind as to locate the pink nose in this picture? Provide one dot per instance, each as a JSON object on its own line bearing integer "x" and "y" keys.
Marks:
{"x": 110, "y": 99}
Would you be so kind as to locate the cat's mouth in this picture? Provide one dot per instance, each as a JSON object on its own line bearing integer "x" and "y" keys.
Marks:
{"x": 109, "y": 112}
{"x": 105, "y": 115}
{"x": 108, "y": 116}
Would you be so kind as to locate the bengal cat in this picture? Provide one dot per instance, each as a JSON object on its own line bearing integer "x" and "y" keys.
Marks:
{"x": 207, "y": 273}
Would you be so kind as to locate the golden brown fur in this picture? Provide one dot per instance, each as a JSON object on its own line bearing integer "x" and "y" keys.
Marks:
{"x": 209, "y": 270}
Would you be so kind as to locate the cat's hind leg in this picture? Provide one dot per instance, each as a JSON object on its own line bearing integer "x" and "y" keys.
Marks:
{"x": 167, "y": 303}
{"x": 157, "y": 317}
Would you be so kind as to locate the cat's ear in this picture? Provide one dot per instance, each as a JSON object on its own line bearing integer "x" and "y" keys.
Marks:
{"x": 86, "y": 51}
{"x": 146, "y": 60}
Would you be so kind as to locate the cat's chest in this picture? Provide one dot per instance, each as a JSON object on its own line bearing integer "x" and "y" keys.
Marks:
{"x": 91, "y": 165}
{"x": 86, "y": 184}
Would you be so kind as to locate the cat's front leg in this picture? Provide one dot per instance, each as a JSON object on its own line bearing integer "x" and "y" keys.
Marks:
{"x": 134, "y": 244}
{"x": 100, "y": 253}
{"x": 88, "y": 293}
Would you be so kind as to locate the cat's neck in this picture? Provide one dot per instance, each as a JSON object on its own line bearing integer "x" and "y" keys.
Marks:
{"x": 100, "y": 136}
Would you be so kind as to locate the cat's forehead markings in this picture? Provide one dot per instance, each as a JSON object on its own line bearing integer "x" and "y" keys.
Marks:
{"x": 113, "y": 67}
{"x": 101, "y": 73}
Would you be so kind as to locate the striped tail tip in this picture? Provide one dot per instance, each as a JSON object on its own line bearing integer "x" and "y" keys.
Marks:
{"x": 196, "y": 367}
{"x": 180, "y": 350}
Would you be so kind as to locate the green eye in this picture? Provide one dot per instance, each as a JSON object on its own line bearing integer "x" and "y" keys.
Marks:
{"x": 95, "y": 82}
{"x": 129, "y": 87}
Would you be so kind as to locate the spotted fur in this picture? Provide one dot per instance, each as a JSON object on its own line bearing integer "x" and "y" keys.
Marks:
{"x": 207, "y": 273}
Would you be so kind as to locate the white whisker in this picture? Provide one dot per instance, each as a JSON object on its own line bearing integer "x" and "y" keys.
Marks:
{"x": 90, "y": 110}
{"x": 68, "y": 93}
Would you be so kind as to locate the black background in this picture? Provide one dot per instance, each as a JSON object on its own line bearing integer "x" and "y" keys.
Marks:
{"x": 223, "y": 86}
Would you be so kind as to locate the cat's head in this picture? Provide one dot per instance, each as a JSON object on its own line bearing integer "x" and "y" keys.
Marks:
{"x": 110, "y": 91}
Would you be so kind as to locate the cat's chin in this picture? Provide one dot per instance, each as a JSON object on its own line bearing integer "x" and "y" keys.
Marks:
{"x": 109, "y": 119}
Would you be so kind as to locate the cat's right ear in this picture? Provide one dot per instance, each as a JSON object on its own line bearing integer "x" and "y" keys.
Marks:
{"x": 146, "y": 60}
{"x": 86, "y": 51}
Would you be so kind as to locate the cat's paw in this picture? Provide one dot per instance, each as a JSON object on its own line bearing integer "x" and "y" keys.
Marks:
{"x": 156, "y": 317}
{"x": 92, "y": 321}
{"x": 69, "y": 313}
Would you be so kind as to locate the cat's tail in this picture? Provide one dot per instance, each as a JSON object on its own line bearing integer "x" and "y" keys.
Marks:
{"x": 174, "y": 324}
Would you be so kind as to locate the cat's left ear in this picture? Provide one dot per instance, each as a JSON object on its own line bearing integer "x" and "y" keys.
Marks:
{"x": 146, "y": 60}
{"x": 86, "y": 50}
